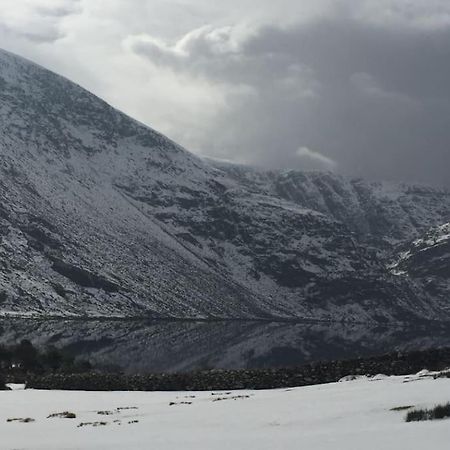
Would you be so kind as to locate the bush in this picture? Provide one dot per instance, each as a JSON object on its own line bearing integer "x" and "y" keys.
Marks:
{"x": 2, "y": 383}
{"x": 417, "y": 415}
{"x": 436, "y": 413}
{"x": 441, "y": 411}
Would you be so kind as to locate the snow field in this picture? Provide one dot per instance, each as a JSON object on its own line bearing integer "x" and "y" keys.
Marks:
{"x": 351, "y": 415}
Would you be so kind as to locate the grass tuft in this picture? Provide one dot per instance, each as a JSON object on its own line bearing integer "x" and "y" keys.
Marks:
{"x": 401, "y": 408}
{"x": 63, "y": 415}
{"x": 21, "y": 420}
{"x": 436, "y": 413}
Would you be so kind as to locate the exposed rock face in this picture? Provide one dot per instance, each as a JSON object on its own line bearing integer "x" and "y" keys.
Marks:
{"x": 102, "y": 216}
{"x": 427, "y": 261}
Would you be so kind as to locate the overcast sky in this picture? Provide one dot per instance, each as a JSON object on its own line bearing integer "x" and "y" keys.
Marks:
{"x": 359, "y": 87}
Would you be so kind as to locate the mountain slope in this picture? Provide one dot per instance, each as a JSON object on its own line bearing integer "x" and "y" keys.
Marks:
{"x": 382, "y": 213}
{"x": 102, "y": 216}
{"x": 73, "y": 242}
{"x": 426, "y": 260}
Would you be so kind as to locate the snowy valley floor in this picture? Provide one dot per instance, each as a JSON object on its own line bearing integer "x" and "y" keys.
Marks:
{"x": 351, "y": 415}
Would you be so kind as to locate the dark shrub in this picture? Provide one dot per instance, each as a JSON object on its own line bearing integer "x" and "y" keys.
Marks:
{"x": 436, "y": 413}
{"x": 417, "y": 415}
{"x": 2, "y": 383}
{"x": 5, "y": 356}
{"x": 441, "y": 411}
{"x": 27, "y": 354}
{"x": 53, "y": 358}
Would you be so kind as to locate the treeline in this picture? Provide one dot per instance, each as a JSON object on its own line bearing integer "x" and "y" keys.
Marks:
{"x": 24, "y": 358}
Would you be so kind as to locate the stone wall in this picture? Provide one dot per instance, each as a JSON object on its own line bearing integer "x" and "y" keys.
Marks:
{"x": 318, "y": 373}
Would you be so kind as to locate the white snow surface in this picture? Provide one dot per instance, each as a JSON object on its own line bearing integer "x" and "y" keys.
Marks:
{"x": 350, "y": 415}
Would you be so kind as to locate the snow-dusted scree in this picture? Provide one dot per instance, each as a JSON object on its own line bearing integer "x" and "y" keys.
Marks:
{"x": 102, "y": 216}
{"x": 365, "y": 413}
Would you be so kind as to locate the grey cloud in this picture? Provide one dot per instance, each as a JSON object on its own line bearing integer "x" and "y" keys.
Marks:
{"x": 38, "y": 35}
{"x": 39, "y": 21}
{"x": 360, "y": 84}
{"x": 371, "y": 95}
{"x": 63, "y": 10}
{"x": 315, "y": 160}
{"x": 45, "y": 36}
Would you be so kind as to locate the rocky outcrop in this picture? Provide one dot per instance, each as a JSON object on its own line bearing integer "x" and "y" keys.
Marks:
{"x": 83, "y": 277}
{"x": 426, "y": 261}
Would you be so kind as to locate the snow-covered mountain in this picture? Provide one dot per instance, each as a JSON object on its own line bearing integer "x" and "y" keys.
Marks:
{"x": 102, "y": 216}
{"x": 426, "y": 260}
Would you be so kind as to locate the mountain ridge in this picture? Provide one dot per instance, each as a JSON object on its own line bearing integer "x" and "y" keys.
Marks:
{"x": 102, "y": 216}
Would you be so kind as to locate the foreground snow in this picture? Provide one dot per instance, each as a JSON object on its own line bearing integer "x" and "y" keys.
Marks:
{"x": 350, "y": 415}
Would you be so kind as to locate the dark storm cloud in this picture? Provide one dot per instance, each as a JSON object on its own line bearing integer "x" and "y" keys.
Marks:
{"x": 356, "y": 86}
{"x": 364, "y": 97}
